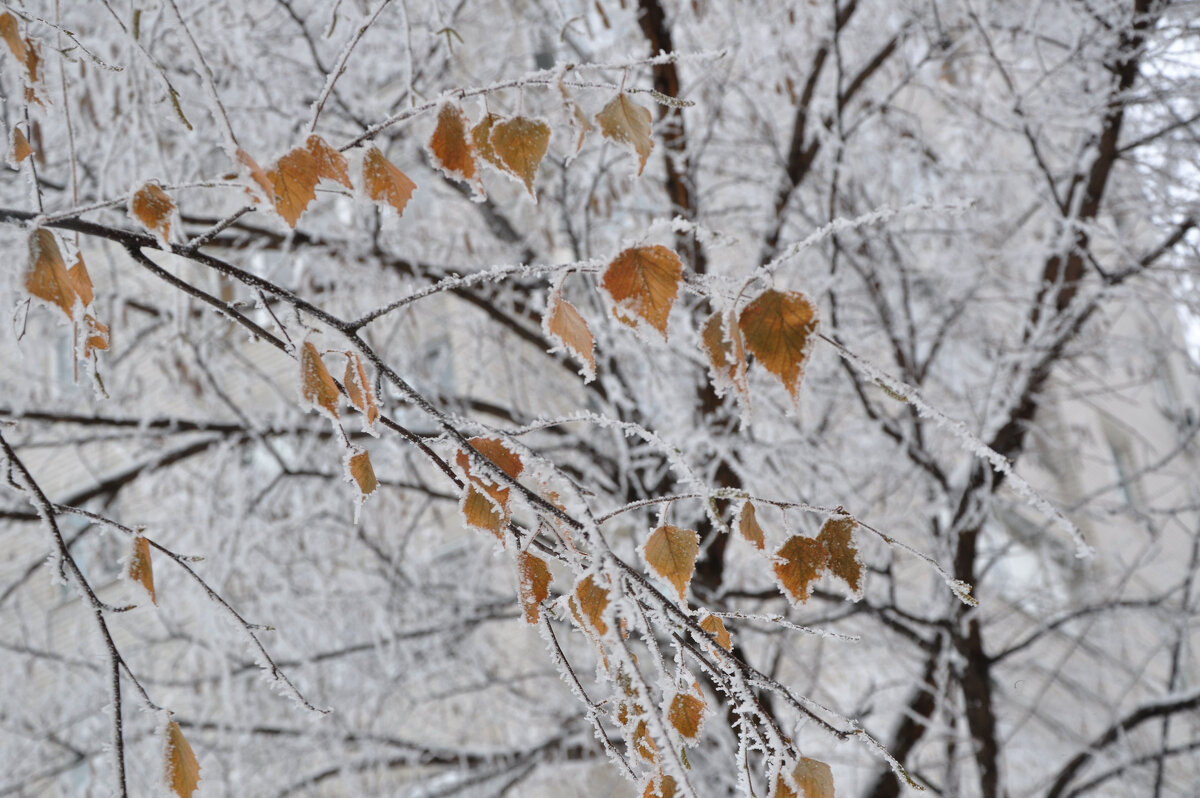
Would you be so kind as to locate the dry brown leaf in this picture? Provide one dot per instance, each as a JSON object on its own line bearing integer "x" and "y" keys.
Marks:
{"x": 803, "y": 559}
{"x": 685, "y": 715}
{"x": 726, "y": 359}
{"x": 453, "y": 152}
{"x": 480, "y": 511}
{"x": 95, "y": 335}
{"x": 182, "y": 769}
{"x": 317, "y": 388}
{"x": 152, "y": 208}
{"x": 837, "y": 537}
{"x": 748, "y": 525}
{"x": 645, "y": 281}
{"x": 814, "y": 778}
{"x": 481, "y": 136}
{"x": 81, "y": 280}
{"x": 534, "y": 580}
{"x": 358, "y": 389}
{"x": 778, "y": 327}
{"x": 716, "y": 627}
{"x": 293, "y": 184}
{"x": 520, "y": 144}
{"x": 256, "y": 174}
{"x": 20, "y": 149}
{"x": 643, "y": 743}
{"x": 565, "y": 324}
{"x": 592, "y": 600}
{"x": 47, "y": 277}
{"x": 384, "y": 182}
{"x": 498, "y": 453}
{"x": 328, "y": 163}
{"x": 626, "y": 122}
{"x": 359, "y": 466}
{"x": 10, "y": 30}
{"x": 140, "y": 568}
{"x": 661, "y": 786}
{"x": 671, "y": 552}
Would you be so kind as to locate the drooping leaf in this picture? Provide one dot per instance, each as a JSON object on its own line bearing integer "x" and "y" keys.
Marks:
{"x": 813, "y": 777}
{"x": 384, "y": 182}
{"x": 661, "y": 786}
{"x": 643, "y": 743}
{"x": 592, "y": 601}
{"x": 140, "y": 569}
{"x": 480, "y": 511}
{"x": 716, "y": 627}
{"x": 95, "y": 335}
{"x": 328, "y": 163}
{"x": 534, "y": 579}
{"x": 46, "y": 277}
{"x": 802, "y": 560}
{"x": 671, "y": 552}
{"x": 565, "y": 324}
{"x": 152, "y": 208}
{"x": 520, "y": 144}
{"x": 358, "y": 389}
{"x": 726, "y": 357}
{"x": 317, "y": 388}
{"x": 10, "y": 30}
{"x": 182, "y": 769}
{"x": 481, "y": 136}
{"x": 748, "y": 526}
{"x": 20, "y": 149}
{"x": 685, "y": 715}
{"x": 626, "y": 122}
{"x": 453, "y": 152}
{"x": 81, "y": 280}
{"x": 778, "y": 327}
{"x": 837, "y": 537}
{"x": 359, "y": 467}
{"x": 257, "y": 174}
{"x": 645, "y": 281}
{"x": 293, "y": 184}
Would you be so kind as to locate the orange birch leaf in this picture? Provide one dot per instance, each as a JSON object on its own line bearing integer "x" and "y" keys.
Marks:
{"x": 481, "y": 136}
{"x": 685, "y": 714}
{"x": 716, "y": 627}
{"x": 140, "y": 568}
{"x": 534, "y": 584}
{"x": 779, "y": 327}
{"x": 837, "y": 537}
{"x": 643, "y": 743}
{"x": 813, "y": 777}
{"x": 565, "y": 324}
{"x": 480, "y": 511}
{"x": 47, "y": 277}
{"x": 95, "y": 335}
{"x": 358, "y": 389}
{"x": 726, "y": 359}
{"x": 521, "y": 143}
{"x": 10, "y": 30}
{"x": 452, "y": 152}
{"x": 671, "y": 552}
{"x": 182, "y": 769}
{"x": 81, "y": 280}
{"x": 20, "y": 149}
{"x": 384, "y": 182}
{"x": 661, "y": 786}
{"x": 317, "y": 388}
{"x": 748, "y": 525}
{"x": 293, "y": 184}
{"x": 626, "y": 122}
{"x": 592, "y": 600}
{"x": 359, "y": 467}
{"x": 802, "y": 560}
{"x": 328, "y": 163}
{"x": 497, "y": 452}
{"x": 645, "y": 281}
{"x": 152, "y": 208}
{"x": 257, "y": 174}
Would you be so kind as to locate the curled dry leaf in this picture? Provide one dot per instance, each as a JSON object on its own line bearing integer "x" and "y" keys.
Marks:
{"x": 481, "y": 136}
{"x": 645, "y": 281}
{"x": 358, "y": 390}
{"x": 748, "y": 525}
{"x": 520, "y": 144}
{"x": 358, "y": 465}
{"x": 534, "y": 584}
{"x": 384, "y": 182}
{"x": 152, "y": 207}
{"x": 25, "y": 50}
{"x": 46, "y": 277}
{"x": 726, "y": 355}
{"x": 453, "y": 152}
{"x": 81, "y": 280}
{"x": 140, "y": 568}
{"x": 95, "y": 335}
{"x": 565, "y": 324}
{"x": 671, "y": 552}
{"x": 685, "y": 714}
{"x": 181, "y": 768}
{"x": 716, "y": 627}
{"x": 591, "y": 601}
{"x": 778, "y": 327}
{"x": 628, "y": 123}
{"x": 317, "y": 388}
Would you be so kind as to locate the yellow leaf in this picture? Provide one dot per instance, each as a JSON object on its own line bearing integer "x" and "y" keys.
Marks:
{"x": 726, "y": 359}
{"x": 748, "y": 525}
{"x": 152, "y": 208}
{"x": 384, "y": 182}
{"x": 293, "y": 184}
{"x": 671, "y": 552}
{"x": 481, "y": 136}
{"x": 645, "y": 280}
{"x": 140, "y": 568}
{"x": 358, "y": 389}
{"x": 592, "y": 600}
{"x": 837, "y": 537}
{"x": 47, "y": 277}
{"x": 626, "y": 122}
{"x": 183, "y": 771}
{"x": 779, "y": 327}
{"x": 20, "y": 149}
{"x": 317, "y": 388}
{"x": 566, "y": 325}
{"x": 328, "y": 163}
{"x": 452, "y": 152}
{"x": 361, "y": 471}
{"x": 685, "y": 715}
{"x": 534, "y": 584}
{"x": 716, "y": 627}
{"x": 81, "y": 280}
{"x": 521, "y": 143}
{"x": 803, "y": 559}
